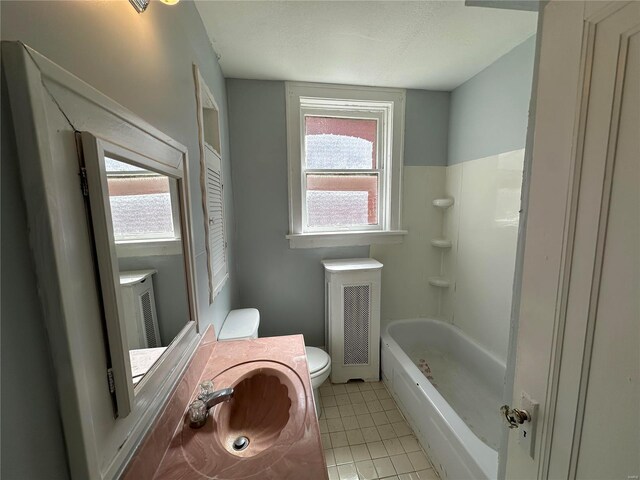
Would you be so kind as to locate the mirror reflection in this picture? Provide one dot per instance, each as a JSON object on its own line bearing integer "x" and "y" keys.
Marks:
{"x": 146, "y": 223}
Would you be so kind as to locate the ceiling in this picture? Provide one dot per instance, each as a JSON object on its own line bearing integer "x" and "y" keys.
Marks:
{"x": 434, "y": 45}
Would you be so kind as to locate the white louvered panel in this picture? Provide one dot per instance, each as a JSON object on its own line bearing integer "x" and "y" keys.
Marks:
{"x": 149, "y": 321}
{"x": 357, "y": 316}
{"x": 215, "y": 210}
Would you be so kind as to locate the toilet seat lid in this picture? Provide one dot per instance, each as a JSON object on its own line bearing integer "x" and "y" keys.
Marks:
{"x": 317, "y": 359}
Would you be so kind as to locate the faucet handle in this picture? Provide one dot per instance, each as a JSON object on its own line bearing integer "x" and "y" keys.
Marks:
{"x": 197, "y": 414}
{"x": 206, "y": 389}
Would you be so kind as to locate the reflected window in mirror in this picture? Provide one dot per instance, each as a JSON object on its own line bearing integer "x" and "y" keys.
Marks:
{"x": 141, "y": 202}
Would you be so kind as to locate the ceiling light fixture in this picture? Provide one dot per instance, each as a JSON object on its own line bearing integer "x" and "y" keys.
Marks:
{"x": 139, "y": 5}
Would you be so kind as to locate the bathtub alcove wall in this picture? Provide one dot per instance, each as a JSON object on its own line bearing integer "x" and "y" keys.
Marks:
{"x": 488, "y": 117}
{"x": 447, "y": 291}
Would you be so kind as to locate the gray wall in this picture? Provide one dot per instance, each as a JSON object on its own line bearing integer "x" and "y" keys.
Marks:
{"x": 29, "y": 425}
{"x": 426, "y": 128}
{"x": 145, "y": 63}
{"x": 489, "y": 112}
{"x": 287, "y": 285}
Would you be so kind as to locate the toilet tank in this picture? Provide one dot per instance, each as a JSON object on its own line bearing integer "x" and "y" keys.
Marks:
{"x": 240, "y": 324}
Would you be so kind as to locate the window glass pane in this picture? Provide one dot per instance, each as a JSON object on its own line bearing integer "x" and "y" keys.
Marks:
{"x": 140, "y": 202}
{"x": 340, "y": 143}
{"x": 113, "y": 166}
{"x": 342, "y": 200}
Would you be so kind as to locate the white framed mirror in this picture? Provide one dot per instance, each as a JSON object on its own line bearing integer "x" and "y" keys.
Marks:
{"x": 142, "y": 246}
{"x": 65, "y": 133}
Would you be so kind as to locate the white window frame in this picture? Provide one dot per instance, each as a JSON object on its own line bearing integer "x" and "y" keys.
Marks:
{"x": 386, "y": 105}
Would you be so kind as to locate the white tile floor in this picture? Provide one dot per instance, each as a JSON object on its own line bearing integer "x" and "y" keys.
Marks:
{"x": 365, "y": 437}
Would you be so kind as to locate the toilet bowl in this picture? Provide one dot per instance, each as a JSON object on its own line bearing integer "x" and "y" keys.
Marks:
{"x": 243, "y": 323}
{"x": 319, "y": 363}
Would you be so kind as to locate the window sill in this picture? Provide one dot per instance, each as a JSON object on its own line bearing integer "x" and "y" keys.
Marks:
{"x": 148, "y": 248}
{"x": 344, "y": 239}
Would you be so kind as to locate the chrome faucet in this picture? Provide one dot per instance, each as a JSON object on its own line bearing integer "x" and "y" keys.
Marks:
{"x": 208, "y": 398}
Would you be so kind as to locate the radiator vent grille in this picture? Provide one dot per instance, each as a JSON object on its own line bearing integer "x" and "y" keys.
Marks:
{"x": 357, "y": 317}
{"x": 149, "y": 323}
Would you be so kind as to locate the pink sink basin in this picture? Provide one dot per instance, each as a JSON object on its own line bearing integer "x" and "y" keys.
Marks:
{"x": 268, "y": 411}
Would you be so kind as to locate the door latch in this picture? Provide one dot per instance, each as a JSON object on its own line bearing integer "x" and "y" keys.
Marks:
{"x": 514, "y": 416}
{"x": 524, "y": 420}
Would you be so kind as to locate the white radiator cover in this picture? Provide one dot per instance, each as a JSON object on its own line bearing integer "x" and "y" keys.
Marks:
{"x": 139, "y": 308}
{"x": 352, "y": 310}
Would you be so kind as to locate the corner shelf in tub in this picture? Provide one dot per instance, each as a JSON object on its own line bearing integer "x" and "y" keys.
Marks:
{"x": 445, "y": 202}
{"x": 439, "y": 282}
{"x": 441, "y": 242}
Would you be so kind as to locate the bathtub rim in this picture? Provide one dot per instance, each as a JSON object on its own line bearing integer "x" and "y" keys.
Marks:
{"x": 485, "y": 457}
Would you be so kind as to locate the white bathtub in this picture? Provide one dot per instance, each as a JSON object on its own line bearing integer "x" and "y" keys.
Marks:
{"x": 457, "y": 420}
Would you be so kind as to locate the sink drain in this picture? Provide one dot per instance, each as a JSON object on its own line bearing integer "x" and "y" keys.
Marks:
{"x": 240, "y": 443}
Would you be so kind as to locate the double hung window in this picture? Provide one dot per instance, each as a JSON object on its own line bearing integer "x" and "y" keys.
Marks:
{"x": 345, "y": 164}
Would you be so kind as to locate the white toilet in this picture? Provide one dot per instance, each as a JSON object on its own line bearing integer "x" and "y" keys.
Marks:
{"x": 319, "y": 363}
{"x": 243, "y": 324}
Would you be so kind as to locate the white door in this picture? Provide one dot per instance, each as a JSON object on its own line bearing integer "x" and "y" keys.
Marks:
{"x": 578, "y": 339}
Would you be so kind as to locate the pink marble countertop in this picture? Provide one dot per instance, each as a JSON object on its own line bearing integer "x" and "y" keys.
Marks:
{"x": 162, "y": 455}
